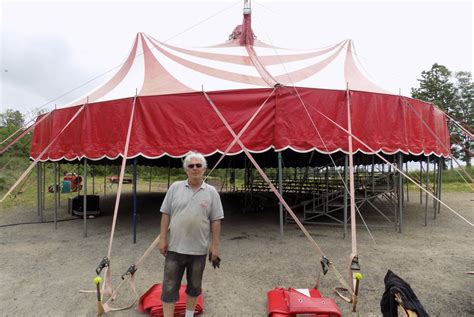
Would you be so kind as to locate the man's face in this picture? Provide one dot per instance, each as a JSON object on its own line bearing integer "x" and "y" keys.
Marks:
{"x": 195, "y": 169}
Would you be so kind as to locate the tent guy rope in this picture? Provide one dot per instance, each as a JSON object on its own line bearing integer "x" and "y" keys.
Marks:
{"x": 275, "y": 191}
{"x": 393, "y": 166}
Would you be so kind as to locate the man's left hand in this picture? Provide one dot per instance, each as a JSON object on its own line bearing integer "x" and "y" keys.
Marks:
{"x": 214, "y": 258}
{"x": 216, "y": 262}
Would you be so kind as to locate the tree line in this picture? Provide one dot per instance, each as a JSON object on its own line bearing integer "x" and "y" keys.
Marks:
{"x": 454, "y": 94}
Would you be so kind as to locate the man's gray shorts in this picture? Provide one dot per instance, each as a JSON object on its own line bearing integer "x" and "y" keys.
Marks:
{"x": 175, "y": 265}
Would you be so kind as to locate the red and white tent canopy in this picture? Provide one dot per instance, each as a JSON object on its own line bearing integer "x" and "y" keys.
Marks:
{"x": 306, "y": 112}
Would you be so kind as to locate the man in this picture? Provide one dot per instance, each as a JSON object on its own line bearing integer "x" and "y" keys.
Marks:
{"x": 190, "y": 229}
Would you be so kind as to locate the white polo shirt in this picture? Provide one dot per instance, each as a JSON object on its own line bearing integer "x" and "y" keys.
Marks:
{"x": 191, "y": 214}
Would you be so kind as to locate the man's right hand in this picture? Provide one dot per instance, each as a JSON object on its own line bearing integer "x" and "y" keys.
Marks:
{"x": 163, "y": 246}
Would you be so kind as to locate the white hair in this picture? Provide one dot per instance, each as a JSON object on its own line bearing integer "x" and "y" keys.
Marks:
{"x": 192, "y": 155}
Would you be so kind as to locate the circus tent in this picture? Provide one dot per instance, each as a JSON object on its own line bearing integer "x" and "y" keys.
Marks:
{"x": 294, "y": 100}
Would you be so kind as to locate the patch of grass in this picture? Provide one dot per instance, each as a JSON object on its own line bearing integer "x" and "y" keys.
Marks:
{"x": 452, "y": 180}
{"x": 457, "y": 187}
{"x": 12, "y": 167}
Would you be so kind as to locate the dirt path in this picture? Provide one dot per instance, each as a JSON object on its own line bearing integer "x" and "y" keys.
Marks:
{"x": 43, "y": 268}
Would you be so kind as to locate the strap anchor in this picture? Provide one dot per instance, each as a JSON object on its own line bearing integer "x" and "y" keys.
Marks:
{"x": 131, "y": 270}
{"x": 356, "y": 277}
{"x": 325, "y": 263}
{"x": 355, "y": 264}
{"x": 105, "y": 262}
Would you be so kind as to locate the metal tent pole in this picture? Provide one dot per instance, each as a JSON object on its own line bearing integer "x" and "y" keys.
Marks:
{"x": 105, "y": 180}
{"x": 441, "y": 165}
{"x": 421, "y": 181}
{"x": 135, "y": 200}
{"x": 435, "y": 184}
{"x": 373, "y": 173}
{"x": 438, "y": 184}
{"x": 395, "y": 191}
{"x": 400, "y": 192}
{"x": 60, "y": 185}
{"x": 55, "y": 196}
{"x": 79, "y": 189}
{"x": 427, "y": 188}
{"x": 93, "y": 179}
{"x": 84, "y": 207}
{"x": 38, "y": 187}
{"x": 280, "y": 190}
{"x": 346, "y": 163}
{"x": 43, "y": 191}
{"x": 169, "y": 171}
{"x": 406, "y": 181}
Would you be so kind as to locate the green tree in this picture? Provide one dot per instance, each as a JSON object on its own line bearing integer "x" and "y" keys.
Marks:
{"x": 454, "y": 95}
{"x": 12, "y": 121}
{"x": 436, "y": 87}
{"x": 463, "y": 112}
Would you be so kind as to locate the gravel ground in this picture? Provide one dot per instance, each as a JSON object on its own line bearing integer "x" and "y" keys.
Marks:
{"x": 44, "y": 268}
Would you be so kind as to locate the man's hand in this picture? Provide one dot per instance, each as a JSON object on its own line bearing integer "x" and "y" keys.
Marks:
{"x": 214, "y": 258}
{"x": 163, "y": 246}
{"x": 213, "y": 253}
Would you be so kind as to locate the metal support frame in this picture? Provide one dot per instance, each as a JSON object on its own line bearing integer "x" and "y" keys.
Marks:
{"x": 327, "y": 205}
{"x": 134, "y": 200}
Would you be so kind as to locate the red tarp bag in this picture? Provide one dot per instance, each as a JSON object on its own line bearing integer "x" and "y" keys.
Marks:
{"x": 291, "y": 302}
{"x": 150, "y": 302}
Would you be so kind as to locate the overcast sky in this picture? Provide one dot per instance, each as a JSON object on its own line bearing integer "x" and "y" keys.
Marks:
{"x": 51, "y": 47}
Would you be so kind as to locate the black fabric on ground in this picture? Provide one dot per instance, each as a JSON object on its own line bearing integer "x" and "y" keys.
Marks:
{"x": 394, "y": 284}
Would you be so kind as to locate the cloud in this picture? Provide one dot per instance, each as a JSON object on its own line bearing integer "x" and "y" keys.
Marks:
{"x": 37, "y": 69}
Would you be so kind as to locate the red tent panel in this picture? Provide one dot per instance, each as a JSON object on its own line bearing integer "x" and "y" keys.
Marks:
{"x": 175, "y": 124}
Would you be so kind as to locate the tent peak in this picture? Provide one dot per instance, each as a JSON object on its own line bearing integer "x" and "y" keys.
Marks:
{"x": 243, "y": 34}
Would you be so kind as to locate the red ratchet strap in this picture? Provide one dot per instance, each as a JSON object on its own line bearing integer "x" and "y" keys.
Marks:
{"x": 241, "y": 132}
{"x": 387, "y": 162}
{"x": 32, "y": 165}
{"x": 354, "y": 257}
{"x": 270, "y": 184}
{"x": 107, "y": 284}
{"x": 129, "y": 276}
{"x": 351, "y": 178}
